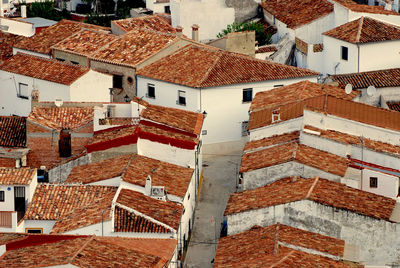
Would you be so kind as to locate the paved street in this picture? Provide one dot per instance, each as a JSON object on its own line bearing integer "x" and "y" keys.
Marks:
{"x": 218, "y": 183}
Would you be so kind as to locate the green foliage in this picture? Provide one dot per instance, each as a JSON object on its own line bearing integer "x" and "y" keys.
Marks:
{"x": 262, "y": 37}
{"x": 46, "y": 10}
{"x": 124, "y": 7}
{"x": 101, "y": 20}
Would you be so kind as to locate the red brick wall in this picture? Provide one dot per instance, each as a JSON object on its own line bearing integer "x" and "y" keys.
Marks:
{"x": 33, "y": 128}
{"x": 7, "y": 162}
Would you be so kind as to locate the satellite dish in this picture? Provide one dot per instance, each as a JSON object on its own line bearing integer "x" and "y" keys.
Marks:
{"x": 348, "y": 89}
{"x": 58, "y": 102}
{"x": 371, "y": 90}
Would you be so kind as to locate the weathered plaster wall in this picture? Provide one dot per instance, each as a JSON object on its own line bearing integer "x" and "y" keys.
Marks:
{"x": 244, "y": 9}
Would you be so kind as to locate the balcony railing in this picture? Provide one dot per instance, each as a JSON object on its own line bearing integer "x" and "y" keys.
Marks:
{"x": 6, "y": 219}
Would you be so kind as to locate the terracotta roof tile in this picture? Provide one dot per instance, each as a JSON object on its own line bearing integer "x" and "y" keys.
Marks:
{"x": 185, "y": 120}
{"x": 167, "y": 212}
{"x": 61, "y": 117}
{"x": 7, "y": 42}
{"x": 12, "y": 131}
{"x": 295, "y": 13}
{"x": 365, "y": 30}
{"x": 113, "y": 133}
{"x": 201, "y": 67}
{"x": 44, "y": 69}
{"x": 326, "y": 192}
{"x": 174, "y": 178}
{"x": 266, "y": 49}
{"x": 273, "y": 140}
{"x": 152, "y": 22}
{"x": 395, "y": 106}
{"x": 95, "y": 212}
{"x": 356, "y": 140}
{"x": 262, "y": 241}
{"x": 6, "y": 238}
{"x": 378, "y": 79}
{"x": 17, "y": 176}
{"x": 166, "y": 133}
{"x": 85, "y": 42}
{"x": 353, "y": 6}
{"x": 294, "y": 152}
{"x": 98, "y": 171}
{"x": 350, "y": 110}
{"x": 55, "y": 201}
{"x": 133, "y": 47}
{"x": 43, "y": 41}
{"x": 296, "y": 92}
{"x": 87, "y": 251}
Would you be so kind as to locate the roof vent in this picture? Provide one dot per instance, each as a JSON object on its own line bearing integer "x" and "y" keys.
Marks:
{"x": 158, "y": 192}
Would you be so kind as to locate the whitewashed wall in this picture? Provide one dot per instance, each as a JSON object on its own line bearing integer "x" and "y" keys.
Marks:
{"x": 8, "y": 204}
{"x": 18, "y": 27}
{"x": 213, "y": 18}
{"x": 93, "y": 86}
{"x": 388, "y": 185}
{"x": 47, "y": 225}
{"x": 312, "y": 32}
{"x": 287, "y": 126}
{"x": 16, "y": 50}
{"x": 386, "y": 55}
{"x": 156, "y": 7}
{"x": 98, "y": 229}
{"x": 392, "y": 19}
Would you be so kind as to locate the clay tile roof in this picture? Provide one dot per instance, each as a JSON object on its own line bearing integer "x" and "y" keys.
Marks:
{"x": 112, "y": 134}
{"x": 294, "y": 152}
{"x": 273, "y": 140}
{"x": 167, "y": 212}
{"x": 185, "y": 120}
{"x": 378, "y": 79}
{"x": 296, "y": 92}
{"x": 152, "y": 22}
{"x": 133, "y": 47}
{"x": 61, "y": 117}
{"x": 175, "y": 178}
{"x": 43, "y": 41}
{"x": 168, "y": 133}
{"x": 98, "y": 171}
{"x": 6, "y": 238}
{"x": 12, "y": 131}
{"x": 250, "y": 245}
{"x": 365, "y": 30}
{"x": 266, "y": 49}
{"x": 326, "y": 192}
{"x": 55, "y": 201}
{"x": 87, "y": 251}
{"x": 97, "y": 211}
{"x": 201, "y": 67}
{"x": 44, "y": 69}
{"x": 395, "y": 105}
{"x": 17, "y": 176}
{"x": 353, "y": 6}
{"x": 7, "y": 42}
{"x": 355, "y": 140}
{"x": 85, "y": 42}
{"x": 295, "y": 13}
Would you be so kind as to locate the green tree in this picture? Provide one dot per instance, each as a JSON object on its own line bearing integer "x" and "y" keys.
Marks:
{"x": 262, "y": 37}
{"x": 46, "y": 10}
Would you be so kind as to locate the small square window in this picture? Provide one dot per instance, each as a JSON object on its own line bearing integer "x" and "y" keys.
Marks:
{"x": 373, "y": 182}
{"x": 1, "y": 196}
{"x": 117, "y": 81}
{"x": 23, "y": 91}
{"x": 345, "y": 53}
{"x": 151, "y": 91}
{"x": 34, "y": 230}
{"x": 181, "y": 97}
{"x": 204, "y": 132}
{"x": 167, "y": 9}
{"x": 247, "y": 95}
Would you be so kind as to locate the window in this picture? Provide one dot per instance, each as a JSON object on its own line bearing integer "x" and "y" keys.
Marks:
{"x": 59, "y": 59}
{"x": 34, "y": 230}
{"x": 181, "y": 97}
{"x": 1, "y": 196}
{"x": 130, "y": 80}
{"x": 281, "y": 85}
{"x": 151, "y": 91}
{"x": 167, "y": 9}
{"x": 373, "y": 182}
{"x": 23, "y": 91}
{"x": 64, "y": 144}
{"x": 245, "y": 126}
{"x": 247, "y": 94}
{"x": 204, "y": 132}
{"x": 74, "y": 62}
{"x": 117, "y": 81}
{"x": 345, "y": 53}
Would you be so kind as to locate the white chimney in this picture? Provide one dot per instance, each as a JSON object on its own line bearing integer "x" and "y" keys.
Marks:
{"x": 147, "y": 186}
{"x": 179, "y": 30}
{"x": 1, "y": 9}
{"x": 23, "y": 11}
{"x": 195, "y": 32}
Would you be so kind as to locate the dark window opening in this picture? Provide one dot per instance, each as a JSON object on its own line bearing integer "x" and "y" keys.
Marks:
{"x": 373, "y": 182}
{"x": 117, "y": 81}
{"x": 1, "y": 196}
{"x": 345, "y": 53}
{"x": 167, "y": 9}
{"x": 42, "y": 175}
{"x": 181, "y": 97}
{"x": 23, "y": 91}
{"x": 34, "y": 231}
{"x": 74, "y": 62}
{"x": 247, "y": 94}
{"x": 64, "y": 143}
{"x": 151, "y": 91}
{"x": 130, "y": 80}
{"x": 59, "y": 59}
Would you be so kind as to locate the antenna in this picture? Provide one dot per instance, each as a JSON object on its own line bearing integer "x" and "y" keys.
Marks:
{"x": 58, "y": 102}
{"x": 371, "y": 90}
{"x": 348, "y": 89}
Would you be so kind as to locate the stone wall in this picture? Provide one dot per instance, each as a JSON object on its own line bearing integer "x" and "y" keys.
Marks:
{"x": 244, "y": 9}
{"x": 60, "y": 173}
{"x": 69, "y": 57}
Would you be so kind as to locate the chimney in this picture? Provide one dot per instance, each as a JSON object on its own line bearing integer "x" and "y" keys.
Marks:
{"x": 148, "y": 185}
{"x": 23, "y": 11}
{"x": 195, "y": 32}
{"x": 1, "y": 9}
{"x": 179, "y": 30}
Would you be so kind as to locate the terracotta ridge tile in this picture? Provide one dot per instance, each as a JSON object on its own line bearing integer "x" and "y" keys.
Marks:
{"x": 312, "y": 187}
{"x": 282, "y": 260}
{"x": 360, "y": 25}
{"x": 82, "y": 248}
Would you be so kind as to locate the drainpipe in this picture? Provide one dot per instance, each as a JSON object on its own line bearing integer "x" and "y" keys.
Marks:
{"x": 358, "y": 64}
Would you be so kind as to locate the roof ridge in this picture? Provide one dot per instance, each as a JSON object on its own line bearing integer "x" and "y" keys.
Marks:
{"x": 219, "y": 55}
{"x": 312, "y": 188}
{"x": 304, "y": 87}
{"x": 360, "y": 25}
{"x": 127, "y": 166}
{"x": 80, "y": 249}
{"x": 76, "y": 66}
{"x": 282, "y": 260}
